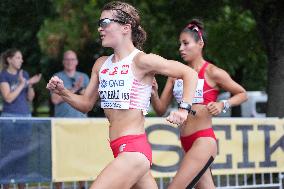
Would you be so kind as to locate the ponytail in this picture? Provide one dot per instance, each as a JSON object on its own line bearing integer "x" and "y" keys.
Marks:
{"x": 198, "y": 23}
{"x": 139, "y": 37}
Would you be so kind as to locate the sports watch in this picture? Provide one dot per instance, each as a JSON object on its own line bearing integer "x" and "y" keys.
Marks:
{"x": 185, "y": 106}
{"x": 227, "y": 105}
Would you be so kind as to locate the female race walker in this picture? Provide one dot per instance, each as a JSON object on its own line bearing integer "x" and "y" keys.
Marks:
{"x": 197, "y": 136}
{"x": 123, "y": 81}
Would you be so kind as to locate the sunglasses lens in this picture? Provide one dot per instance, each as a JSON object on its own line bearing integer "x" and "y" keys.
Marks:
{"x": 104, "y": 22}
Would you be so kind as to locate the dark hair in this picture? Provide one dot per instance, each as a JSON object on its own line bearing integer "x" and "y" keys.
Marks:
{"x": 196, "y": 29}
{"x": 128, "y": 14}
{"x": 7, "y": 54}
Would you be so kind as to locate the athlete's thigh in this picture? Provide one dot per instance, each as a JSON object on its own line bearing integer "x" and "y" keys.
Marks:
{"x": 206, "y": 181}
{"x": 123, "y": 172}
{"x": 202, "y": 151}
{"x": 146, "y": 182}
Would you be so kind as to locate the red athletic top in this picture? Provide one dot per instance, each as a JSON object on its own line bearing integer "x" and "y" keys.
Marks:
{"x": 209, "y": 93}
{"x": 204, "y": 93}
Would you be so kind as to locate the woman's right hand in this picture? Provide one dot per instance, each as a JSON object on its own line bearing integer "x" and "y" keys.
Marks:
{"x": 55, "y": 85}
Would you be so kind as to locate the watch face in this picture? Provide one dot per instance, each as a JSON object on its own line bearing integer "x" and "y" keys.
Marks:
{"x": 184, "y": 105}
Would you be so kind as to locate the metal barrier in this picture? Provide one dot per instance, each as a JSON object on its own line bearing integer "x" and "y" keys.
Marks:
{"x": 238, "y": 181}
{"x": 263, "y": 180}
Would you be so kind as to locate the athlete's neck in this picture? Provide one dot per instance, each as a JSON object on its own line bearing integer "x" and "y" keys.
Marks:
{"x": 122, "y": 52}
{"x": 197, "y": 64}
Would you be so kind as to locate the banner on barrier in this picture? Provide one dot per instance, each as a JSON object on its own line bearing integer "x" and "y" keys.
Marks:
{"x": 25, "y": 150}
{"x": 81, "y": 147}
{"x": 244, "y": 146}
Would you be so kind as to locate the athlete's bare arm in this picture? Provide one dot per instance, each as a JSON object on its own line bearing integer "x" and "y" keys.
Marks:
{"x": 154, "y": 64}
{"x": 224, "y": 81}
{"x": 160, "y": 104}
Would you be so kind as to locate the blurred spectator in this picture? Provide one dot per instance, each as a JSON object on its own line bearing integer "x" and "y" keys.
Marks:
{"x": 17, "y": 91}
{"x": 74, "y": 81}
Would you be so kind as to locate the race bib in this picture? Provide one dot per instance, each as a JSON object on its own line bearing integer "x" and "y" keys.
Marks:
{"x": 198, "y": 97}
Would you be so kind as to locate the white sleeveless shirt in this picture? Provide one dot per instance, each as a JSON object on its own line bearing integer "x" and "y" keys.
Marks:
{"x": 119, "y": 89}
{"x": 178, "y": 91}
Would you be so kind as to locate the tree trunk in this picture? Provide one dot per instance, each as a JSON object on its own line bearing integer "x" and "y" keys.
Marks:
{"x": 269, "y": 16}
{"x": 275, "y": 87}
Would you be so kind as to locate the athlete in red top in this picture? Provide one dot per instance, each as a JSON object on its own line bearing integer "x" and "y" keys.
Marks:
{"x": 197, "y": 136}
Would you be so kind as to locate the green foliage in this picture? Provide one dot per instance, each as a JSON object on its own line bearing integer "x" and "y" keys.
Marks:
{"x": 19, "y": 24}
{"x": 232, "y": 37}
{"x": 73, "y": 27}
{"x": 233, "y": 45}
{"x": 20, "y": 21}
{"x": 71, "y": 24}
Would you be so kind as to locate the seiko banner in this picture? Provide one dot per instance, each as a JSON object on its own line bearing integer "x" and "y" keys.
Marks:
{"x": 80, "y": 148}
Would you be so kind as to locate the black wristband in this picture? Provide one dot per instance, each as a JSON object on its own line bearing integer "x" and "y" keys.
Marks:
{"x": 185, "y": 106}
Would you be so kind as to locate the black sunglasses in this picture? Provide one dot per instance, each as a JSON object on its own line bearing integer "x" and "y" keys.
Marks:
{"x": 106, "y": 21}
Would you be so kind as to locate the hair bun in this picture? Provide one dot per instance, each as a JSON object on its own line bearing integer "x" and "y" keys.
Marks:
{"x": 196, "y": 22}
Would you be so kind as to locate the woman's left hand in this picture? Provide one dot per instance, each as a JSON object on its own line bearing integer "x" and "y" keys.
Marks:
{"x": 215, "y": 108}
{"x": 177, "y": 117}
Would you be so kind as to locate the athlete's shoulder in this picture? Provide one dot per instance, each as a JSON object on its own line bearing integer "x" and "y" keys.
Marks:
{"x": 145, "y": 60}
{"x": 100, "y": 61}
{"x": 142, "y": 60}
{"x": 215, "y": 72}
{"x": 140, "y": 56}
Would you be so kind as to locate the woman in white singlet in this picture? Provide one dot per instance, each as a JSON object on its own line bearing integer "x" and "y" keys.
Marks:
{"x": 123, "y": 82}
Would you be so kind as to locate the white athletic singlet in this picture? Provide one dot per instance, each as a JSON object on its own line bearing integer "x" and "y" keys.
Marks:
{"x": 118, "y": 88}
{"x": 204, "y": 93}
{"x": 178, "y": 91}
